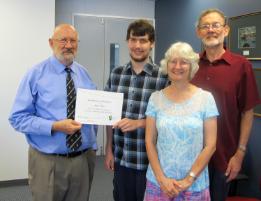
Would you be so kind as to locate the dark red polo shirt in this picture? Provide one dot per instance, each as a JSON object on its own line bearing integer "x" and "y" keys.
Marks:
{"x": 231, "y": 81}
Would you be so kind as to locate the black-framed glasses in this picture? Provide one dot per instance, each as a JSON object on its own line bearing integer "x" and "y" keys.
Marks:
{"x": 214, "y": 26}
{"x": 64, "y": 41}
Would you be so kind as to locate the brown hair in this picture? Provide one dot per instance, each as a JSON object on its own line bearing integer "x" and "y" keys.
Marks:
{"x": 141, "y": 28}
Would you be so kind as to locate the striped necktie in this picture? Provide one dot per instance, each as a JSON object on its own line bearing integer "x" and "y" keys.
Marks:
{"x": 73, "y": 141}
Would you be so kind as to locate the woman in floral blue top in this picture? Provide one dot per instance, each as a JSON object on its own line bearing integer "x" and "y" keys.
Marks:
{"x": 181, "y": 129}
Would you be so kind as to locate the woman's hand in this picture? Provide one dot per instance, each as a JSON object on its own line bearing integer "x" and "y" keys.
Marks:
{"x": 170, "y": 187}
{"x": 185, "y": 183}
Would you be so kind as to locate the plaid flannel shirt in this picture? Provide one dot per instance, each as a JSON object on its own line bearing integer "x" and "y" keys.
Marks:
{"x": 129, "y": 148}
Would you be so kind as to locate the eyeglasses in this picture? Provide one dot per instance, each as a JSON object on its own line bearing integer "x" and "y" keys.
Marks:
{"x": 181, "y": 62}
{"x": 214, "y": 26}
{"x": 64, "y": 41}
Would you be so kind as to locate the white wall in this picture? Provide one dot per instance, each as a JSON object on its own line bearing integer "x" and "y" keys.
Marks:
{"x": 25, "y": 28}
{"x": 125, "y": 8}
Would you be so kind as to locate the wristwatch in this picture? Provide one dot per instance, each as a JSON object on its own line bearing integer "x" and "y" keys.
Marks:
{"x": 242, "y": 148}
{"x": 192, "y": 175}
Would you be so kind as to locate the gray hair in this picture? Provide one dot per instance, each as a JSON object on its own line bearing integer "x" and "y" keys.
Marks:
{"x": 208, "y": 11}
{"x": 181, "y": 50}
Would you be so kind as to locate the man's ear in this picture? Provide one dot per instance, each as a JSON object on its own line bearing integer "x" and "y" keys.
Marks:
{"x": 226, "y": 30}
{"x": 152, "y": 45}
{"x": 197, "y": 32}
{"x": 51, "y": 43}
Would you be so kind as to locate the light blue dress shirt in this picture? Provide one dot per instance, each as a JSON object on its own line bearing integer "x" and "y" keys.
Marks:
{"x": 181, "y": 134}
{"x": 41, "y": 100}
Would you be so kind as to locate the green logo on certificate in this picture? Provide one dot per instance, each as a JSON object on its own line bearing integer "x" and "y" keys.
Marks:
{"x": 110, "y": 117}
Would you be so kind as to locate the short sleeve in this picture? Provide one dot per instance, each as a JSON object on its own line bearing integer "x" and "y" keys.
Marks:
{"x": 151, "y": 107}
{"x": 210, "y": 107}
{"x": 248, "y": 98}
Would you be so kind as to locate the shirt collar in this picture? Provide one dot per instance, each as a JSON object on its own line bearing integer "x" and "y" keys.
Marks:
{"x": 226, "y": 57}
{"x": 58, "y": 66}
{"x": 148, "y": 67}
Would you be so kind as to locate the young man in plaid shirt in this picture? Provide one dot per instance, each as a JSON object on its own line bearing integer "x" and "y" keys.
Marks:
{"x": 125, "y": 147}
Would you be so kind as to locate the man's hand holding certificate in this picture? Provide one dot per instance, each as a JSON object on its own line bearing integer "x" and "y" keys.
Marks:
{"x": 98, "y": 107}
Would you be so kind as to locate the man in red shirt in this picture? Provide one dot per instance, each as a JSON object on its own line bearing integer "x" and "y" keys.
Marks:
{"x": 229, "y": 77}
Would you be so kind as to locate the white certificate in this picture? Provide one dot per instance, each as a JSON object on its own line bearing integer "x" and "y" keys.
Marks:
{"x": 98, "y": 107}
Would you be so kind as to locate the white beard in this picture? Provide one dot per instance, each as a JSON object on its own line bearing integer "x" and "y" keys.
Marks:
{"x": 213, "y": 42}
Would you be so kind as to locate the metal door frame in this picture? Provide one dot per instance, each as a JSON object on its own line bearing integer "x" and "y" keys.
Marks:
{"x": 116, "y": 17}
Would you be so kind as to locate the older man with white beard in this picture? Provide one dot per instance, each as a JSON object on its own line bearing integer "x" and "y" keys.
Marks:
{"x": 229, "y": 77}
{"x": 61, "y": 150}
